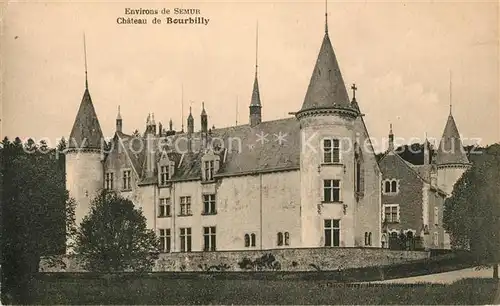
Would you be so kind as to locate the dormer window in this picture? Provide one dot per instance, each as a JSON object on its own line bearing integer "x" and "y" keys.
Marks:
{"x": 126, "y": 180}
{"x": 166, "y": 168}
{"x": 209, "y": 170}
{"x": 210, "y": 163}
{"x": 390, "y": 186}
{"x": 331, "y": 150}
{"x": 164, "y": 174}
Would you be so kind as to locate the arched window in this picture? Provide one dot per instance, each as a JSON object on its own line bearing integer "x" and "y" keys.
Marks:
{"x": 387, "y": 187}
{"x": 370, "y": 238}
{"x": 366, "y": 238}
{"x": 287, "y": 238}
{"x": 394, "y": 186}
{"x": 253, "y": 239}
{"x": 247, "y": 240}
{"x": 280, "y": 239}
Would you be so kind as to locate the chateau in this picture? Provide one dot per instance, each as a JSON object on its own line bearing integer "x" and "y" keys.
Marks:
{"x": 308, "y": 181}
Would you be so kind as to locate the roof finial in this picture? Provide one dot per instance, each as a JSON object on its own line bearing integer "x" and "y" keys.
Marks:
{"x": 119, "y": 117}
{"x": 85, "y": 56}
{"x": 451, "y": 100}
{"x": 182, "y": 107}
{"x": 237, "y": 110}
{"x": 326, "y": 16}
{"x": 256, "y": 47}
{"x": 354, "y": 88}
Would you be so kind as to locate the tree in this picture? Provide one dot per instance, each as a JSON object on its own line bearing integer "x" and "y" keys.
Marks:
{"x": 33, "y": 213}
{"x": 472, "y": 213}
{"x": 113, "y": 236}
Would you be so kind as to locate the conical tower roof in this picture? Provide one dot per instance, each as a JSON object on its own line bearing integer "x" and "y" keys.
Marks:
{"x": 86, "y": 132}
{"x": 450, "y": 149}
{"x": 326, "y": 87}
{"x": 255, "y": 93}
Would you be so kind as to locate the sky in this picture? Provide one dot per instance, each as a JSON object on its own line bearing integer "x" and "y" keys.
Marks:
{"x": 399, "y": 54}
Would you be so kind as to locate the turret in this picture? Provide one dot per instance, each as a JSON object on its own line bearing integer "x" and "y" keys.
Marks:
{"x": 119, "y": 125}
{"x": 190, "y": 131}
{"x": 84, "y": 169}
{"x": 255, "y": 104}
{"x": 327, "y": 172}
{"x": 204, "y": 126}
{"x": 451, "y": 159}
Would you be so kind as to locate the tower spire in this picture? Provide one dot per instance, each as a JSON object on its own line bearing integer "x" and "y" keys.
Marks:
{"x": 85, "y": 57}
{"x": 182, "y": 108}
{"x": 451, "y": 100}
{"x": 326, "y": 16}
{"x": 256, "y": 48}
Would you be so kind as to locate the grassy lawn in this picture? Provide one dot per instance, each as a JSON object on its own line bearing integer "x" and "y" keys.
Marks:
{"x": 189, "y": 291}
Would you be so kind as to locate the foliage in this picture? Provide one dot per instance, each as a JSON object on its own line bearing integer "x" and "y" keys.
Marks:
{"x": 472, "y": 213}
{"x": 33, "y": 212}
{"x": 265, "y": 262}
{"x": 113, "y": 236}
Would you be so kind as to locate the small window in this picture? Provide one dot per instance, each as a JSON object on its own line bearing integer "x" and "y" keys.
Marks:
{"x": 280, "y": 239}
{"x": 287, "y": 238}
{"x": 126, "y": 180}
{"x": 366, "y": 238}
{"x": 435, "y": 238}
{"x": 109, "y": 181}
{"x": 436, "y": 215}
{"x": 331, "y": 190}
{"x": 247, "y": 240}
{"x": 391, "y": 186}
{"x": 252, "y": 240}
{"x": 370, "y": 238}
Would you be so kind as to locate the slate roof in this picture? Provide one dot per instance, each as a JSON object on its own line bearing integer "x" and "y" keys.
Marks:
{"x": 326, "y": 87}
{"x": 255, "y": 93}
{"x": 243, "y": 150}
{"x": 86, "y": 131}
{"x": 450, "y": 150}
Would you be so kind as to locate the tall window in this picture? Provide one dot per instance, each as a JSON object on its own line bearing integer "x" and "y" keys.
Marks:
{"x": 109, "y": 180}
{"x": 280, "y": 239}
{"x": 186, "y": 239}
{"x": 209, "y": 170}
{"x": 435, "y": 239}
{"x": 331, "y": 190}
{"x": 247, "y": 240}
{"x": 436, "y": 216}
{"x": 252, "y": 239}
{"x": 209, "y": 204}
{"x": 358, "y": 176}
{"x": 287, "y": 238}
{"x": 391, "y": 213}
{"x": 331, "y": 150}
{"x": 185, "y": 206}
{"x": 165, "y": 240}
{"x": 164, "y": 175}
{"x": 368, "y": 238}
{"x": 165, "y": 208}
{"x": 126, "y": 180}
{"x": 209, "y": 238}
{"x": 332, "y": 233}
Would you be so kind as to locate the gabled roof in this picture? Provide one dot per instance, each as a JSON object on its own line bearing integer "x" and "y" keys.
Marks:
{"x": 86, "y": 131}
{"x": 450, "y": 150}
{"x": 255, "y": 93}
{"x": 326, "y": 87}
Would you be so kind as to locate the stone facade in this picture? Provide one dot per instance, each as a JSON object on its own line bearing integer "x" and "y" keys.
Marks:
{"x": 303, "y": 259}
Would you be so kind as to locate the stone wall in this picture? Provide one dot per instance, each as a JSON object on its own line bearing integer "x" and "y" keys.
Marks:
{"x": 314, "y": 259}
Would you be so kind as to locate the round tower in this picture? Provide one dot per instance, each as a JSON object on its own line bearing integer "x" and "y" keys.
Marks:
{"x": 327, "y": 167}
{"x": 84, "y": 168}
{"x": 451, "y": 159}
